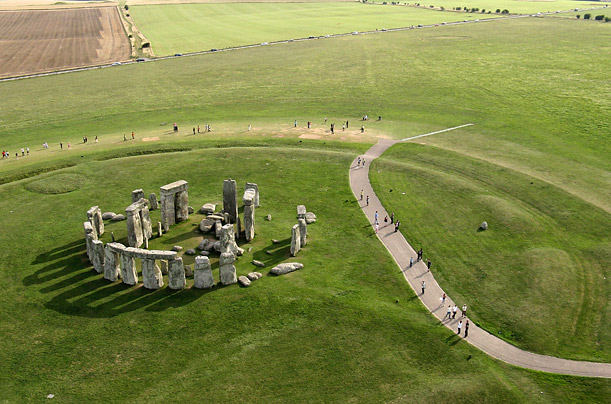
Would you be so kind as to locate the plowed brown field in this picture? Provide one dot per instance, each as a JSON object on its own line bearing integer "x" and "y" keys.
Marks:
{"x": 36, "y": 41}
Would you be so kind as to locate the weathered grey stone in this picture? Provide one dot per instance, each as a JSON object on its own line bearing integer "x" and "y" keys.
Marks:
{"x": 118, "y": 217}
{"x": 168, "y": 212}
{"x": 94, "y": 215}
{"x": 295, "y": 240}
{"x": 112, "y": 270}
{"x": 204, "y": 253}
{"x": 249, "y": 196}
{"x": 249, "y": 222}
{"x": 89, "y": 237}
{"x": 228, "y": 243}
{"x": 108, "y": 215}
{"x": 153, "y": 203}
{"x": 218, "y": 226}
{"x": 116, "y": 247}
{"x": 230, "y": 199}
{"x": 147, "y": 225}
{"x": 176, "y": 274}
{"x": 151, "y": 275}
{"x": 207, "y": 209}
{"x": 164, "y": 267}
{"x": 226, "y": 217}
{"x": 269, "y": 217}
{"x": 206, "y": 225}
{"x": 240, "y": 251}
{"x": 259, "y": 275}
{"x": 203, "y": 273}
{"x": 274, "y": 241}
{"x": 128, "y": 270}
{"x": 255, "y": 189}
{"x": 177, "y": 248}
{"x": 159, "y": 229}
{"x": 301, "y": 212}
{"x": 286, "y": 267}
{"x": 190, "y": 251}
{"x": 258, "y": 263}
{"x": 227, "y": 272}
{"x": 252, "y": 276}
{"x": 134, "y": 228}
{"x": 211, "y": 246}
{"x": 310, "y": 217}
{"x": 97, "y": 256}
{"x": 181, "y": 206}
{"x": 484, "y": 226}
{"x": 202, "y": 245}
{"x": 150, "y": 254}
{"x": 188, "y": 271}
{"x": 174, "y": 187}
{"x": 216, "y": 216}
{"x": 190, "y": 210}
{"x": 137, "y": 194}
{"x": 244, "y": 281}
{"x": 303, "y": 232}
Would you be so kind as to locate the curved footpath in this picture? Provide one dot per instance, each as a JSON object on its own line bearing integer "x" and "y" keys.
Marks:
{"x": 401, "y": 251}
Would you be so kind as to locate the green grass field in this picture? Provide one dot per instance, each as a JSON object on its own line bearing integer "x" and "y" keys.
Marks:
{"x": 333, "y": 332}
{"x": 197, "y": 27}
{"x": 514, "y": 6}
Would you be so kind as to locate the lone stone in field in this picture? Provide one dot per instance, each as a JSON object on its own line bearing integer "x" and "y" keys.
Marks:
{"x": 285, "y": 268}
{"x": 174, "y": 203}
{"x": 230, "y": 199}
{"x": 137, "y": 194}
{"x": 203, "y": 273}
{"x": 295, "y": 240}
{"x": 154, "y": 205}
{"x": 176, "y": 274}
{"x": 139, "y": 226}
{"x": 484, "y": 226}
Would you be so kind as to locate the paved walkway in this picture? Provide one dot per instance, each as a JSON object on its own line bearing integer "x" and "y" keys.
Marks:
{"x": 401, "y": 251}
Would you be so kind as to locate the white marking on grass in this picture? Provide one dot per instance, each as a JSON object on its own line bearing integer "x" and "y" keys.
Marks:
{"x": 438, "y": 131}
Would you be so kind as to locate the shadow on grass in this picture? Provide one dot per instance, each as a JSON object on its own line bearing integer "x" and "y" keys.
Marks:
{"x": 280, "y": 253}
{"x": 78, "y": 290}
{"x": 453, "y": 339}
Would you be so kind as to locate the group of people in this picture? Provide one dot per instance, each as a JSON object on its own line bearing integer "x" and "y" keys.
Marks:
{"x": 85, "y": 139}
{"x": 24, "y": 152}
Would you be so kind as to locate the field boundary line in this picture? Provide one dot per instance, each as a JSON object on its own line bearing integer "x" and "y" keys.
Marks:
{"x": 402, "y": 252}
{"x": 437, "y": 131}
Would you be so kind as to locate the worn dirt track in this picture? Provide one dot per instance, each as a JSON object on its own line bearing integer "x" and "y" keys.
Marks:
{"x": 35, "y": 41}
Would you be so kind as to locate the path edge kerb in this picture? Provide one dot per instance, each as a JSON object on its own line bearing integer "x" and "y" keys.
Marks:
{"x": 478, "y": 337}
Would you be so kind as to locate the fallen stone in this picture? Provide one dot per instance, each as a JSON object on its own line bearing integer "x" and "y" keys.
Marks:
{"x": 177, "y": 248}
{"x": 259, "y": 275}
{"x": 249, "y": 249}
{"x": 207, "y": 209}
{"x": 252, "y": 276}
{"x": 484, "y": 226}
{"x": 108, "y": 215}
{"x": 274, "y": 241}
{"x": 269, "y": 218}
{"x": 210, "y": 246}
{"x": 310, "y": 217}
{"x": 217, "y": 216}
{"x": 285, "y": 268}
{"x": 202, "y": 244}
{"x": 244, "y": 281}
{"x": 118, "y": 218}
{"x": 190, "y": 209}
{"x": 190, "y": 251}
{"x": 207, "y": 225}
{"x": 258, "y": 263}
{"x": 204, "y": 253}
{"x": 268, "y": 252}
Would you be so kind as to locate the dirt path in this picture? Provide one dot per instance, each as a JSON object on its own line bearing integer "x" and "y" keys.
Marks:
{"x": 401, "y": 251}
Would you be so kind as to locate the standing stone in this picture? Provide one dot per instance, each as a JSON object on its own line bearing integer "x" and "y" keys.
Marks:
{"x": 137, "y": 194}
{"x": 168, "y": 212}
{"x": 249, "y": 222}
{"x": 112, "y": 271}
{"x": 147, "y": 225}
{"x": 230, "y": 199}
{"x": 301, "y": 212}
{"x": 188, "y": 271}
{"x": 94, "y": 215}
{"x": 295, "y": 240}
{"x": 228, "y": 243}
{"x": 227, "y": 272}
{"x": 159, "y": 230}
{"x": 134, "y": 226}
{"x": 203, "y": 273}
{"x": 303, "y": 232}
{"x": 89, "y": 237}
{"x": 164, "y": 267}
{"x": 151, "y": 274}
{"x": 255, "y": 188}
{"x": 181, "y": 204}
{"x": 154, "y": 205}
{"x": 176, "y": 274}
{"x": 128, "y": 269}
{"x": 97, "y": 255}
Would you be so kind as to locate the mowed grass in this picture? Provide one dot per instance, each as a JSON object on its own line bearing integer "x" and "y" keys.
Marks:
{"x": 514, "y": 6}
{"x": 197, "y": 27}
{"x": 542, "y": 265}
{"x": 345, "y": 328}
